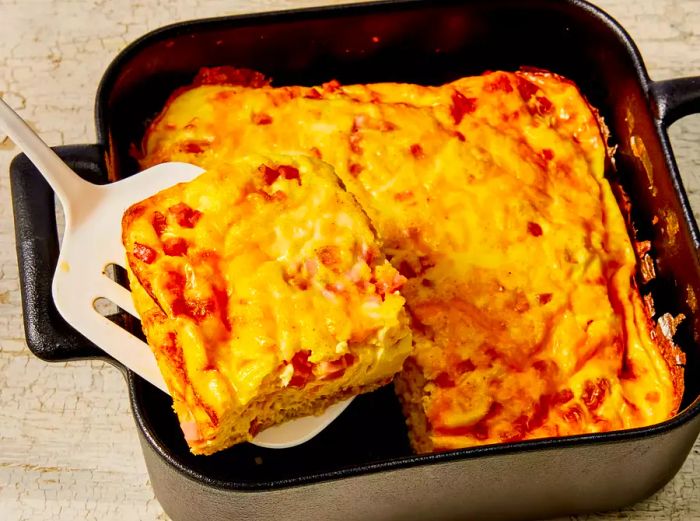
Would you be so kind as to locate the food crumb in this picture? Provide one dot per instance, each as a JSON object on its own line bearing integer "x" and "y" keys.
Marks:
{"x": 692, "y": 299}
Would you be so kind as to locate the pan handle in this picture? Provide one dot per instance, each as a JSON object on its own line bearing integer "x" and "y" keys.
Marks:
{"x": 676, "y": 98}
{"x": 48, "y": 336}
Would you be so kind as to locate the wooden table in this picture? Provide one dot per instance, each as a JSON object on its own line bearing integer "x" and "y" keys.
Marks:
{"x": 68, "y": 445}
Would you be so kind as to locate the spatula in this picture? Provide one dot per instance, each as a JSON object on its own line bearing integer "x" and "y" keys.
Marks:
{"x": 92, "y": 242}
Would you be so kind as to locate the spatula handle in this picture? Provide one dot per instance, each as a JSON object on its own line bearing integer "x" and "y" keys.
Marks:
{"x": 48, "y": 335}
{"x": 62, "y": 179}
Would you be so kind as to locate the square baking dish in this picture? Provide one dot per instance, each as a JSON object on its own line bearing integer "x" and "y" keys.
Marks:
{"x": 362, "y": 467}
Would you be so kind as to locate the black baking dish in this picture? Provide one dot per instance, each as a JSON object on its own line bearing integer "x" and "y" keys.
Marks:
{"x": 361, "y": 467}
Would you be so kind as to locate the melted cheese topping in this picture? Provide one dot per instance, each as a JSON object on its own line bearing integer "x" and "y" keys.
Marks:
{"x": 261, "y": 275}
{"x": 491, "y": 198}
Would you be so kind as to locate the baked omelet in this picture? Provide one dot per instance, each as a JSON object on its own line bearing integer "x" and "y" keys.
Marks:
{"x": 491, "y": 195}
{"x": 265, "y": 295}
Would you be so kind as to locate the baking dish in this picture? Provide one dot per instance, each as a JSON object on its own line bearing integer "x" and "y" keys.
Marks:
{"x": 361, "y": 467}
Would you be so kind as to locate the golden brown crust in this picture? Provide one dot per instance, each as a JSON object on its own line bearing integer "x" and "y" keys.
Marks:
{"x": 409, "y": 385}
{"x": 670, "y": 352}
{"x": 262, "y": 413}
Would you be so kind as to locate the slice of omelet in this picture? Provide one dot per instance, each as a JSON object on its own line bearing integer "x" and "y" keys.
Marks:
{"x": 265, "y": 296}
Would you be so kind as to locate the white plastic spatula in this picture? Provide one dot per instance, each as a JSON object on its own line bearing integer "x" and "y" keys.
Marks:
{"x": 92, "y": 242}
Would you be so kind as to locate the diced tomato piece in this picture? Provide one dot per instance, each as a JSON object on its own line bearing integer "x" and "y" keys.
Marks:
{"x": 544, "y": 106}
{"x": 526, "y": 88}
{"x": 534, "y": 229}
{"x": 175, "y": 247}
{"x": 355, "y": 169}
{"x": 331, "y": 86}
{"x": 159, "y": 223}
{"x": 544, "y": 298}
{"x": 289, "y": 172}
{"x": 194, "y": 309}
{"x": 303, "y": 369}
{"x": 461, "y": 105}
{"x": 540, "y": 366}
{"x": 144, "y": 253}
{"x": 500, "y": 83}
{"x": 175, "y": 283}
{"x": 261, "y": 118}
{"x": 184, "y": 215}
{"x": 179, "y": 307}
{"x": 417, "y": 151}
{"x": 270, "y": 175}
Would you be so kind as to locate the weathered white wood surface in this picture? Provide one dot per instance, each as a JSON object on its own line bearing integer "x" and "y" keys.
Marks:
{"x": 68, "y": 446}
